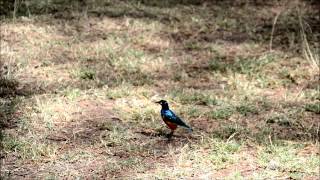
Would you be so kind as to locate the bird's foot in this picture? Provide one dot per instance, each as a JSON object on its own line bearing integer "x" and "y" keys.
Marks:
{"x": 170, "y": 135}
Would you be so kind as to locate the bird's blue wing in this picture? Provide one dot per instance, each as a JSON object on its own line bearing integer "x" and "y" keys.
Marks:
{"x": 168, "y": 114}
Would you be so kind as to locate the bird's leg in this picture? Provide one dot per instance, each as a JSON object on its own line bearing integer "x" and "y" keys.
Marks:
{"x": 170, "y": 134}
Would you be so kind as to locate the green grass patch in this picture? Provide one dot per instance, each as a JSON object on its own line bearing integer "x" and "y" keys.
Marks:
{"x": 147, "y": 114}
{"x": 280, "y": 119}
{"x": 72, "y": 93}
{"x": 28, "y": 149}
{"x": 234, "y": 130}
{"x": 116, "y": 93}
{"x": 191, "y": 111}
{"x": 315, "y": 107}
{"x": 252, "y": 66}
{"x": 283, "y": 157}
{"x": 221, "y": 153}
{"x": 245, "y": 65}
{"x": 87, "y": 74}
{"x": 194, "y": 97}
{"x": 246, "y": 109}
{"x": 221, "y": 113}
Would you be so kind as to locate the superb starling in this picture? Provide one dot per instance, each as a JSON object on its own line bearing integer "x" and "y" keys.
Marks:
{"x": 170, "y": 118}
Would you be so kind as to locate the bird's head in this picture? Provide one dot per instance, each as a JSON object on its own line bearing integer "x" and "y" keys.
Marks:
{"x": 163, "y": 103}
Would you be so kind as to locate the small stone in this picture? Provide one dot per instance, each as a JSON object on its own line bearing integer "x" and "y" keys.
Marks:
{"x": 273, "y": 165}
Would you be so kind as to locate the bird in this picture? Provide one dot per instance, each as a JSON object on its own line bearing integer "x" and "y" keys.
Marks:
{"x": 171, "y": 120}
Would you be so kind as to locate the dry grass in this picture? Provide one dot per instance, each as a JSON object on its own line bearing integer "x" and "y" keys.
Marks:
{"x": 77, "y": 92}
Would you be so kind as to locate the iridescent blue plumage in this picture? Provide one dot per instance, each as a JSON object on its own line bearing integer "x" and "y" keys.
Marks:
{"x": 170, "y": 116}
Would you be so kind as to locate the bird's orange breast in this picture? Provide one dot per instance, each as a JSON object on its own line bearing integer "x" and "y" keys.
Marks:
{"x": 171, "y": 125}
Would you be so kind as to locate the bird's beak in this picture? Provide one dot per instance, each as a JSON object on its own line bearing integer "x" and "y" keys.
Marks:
{"x": 158, "y": 102}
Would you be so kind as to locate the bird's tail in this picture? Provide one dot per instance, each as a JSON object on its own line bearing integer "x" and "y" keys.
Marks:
{"x": 188, "y": 128}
